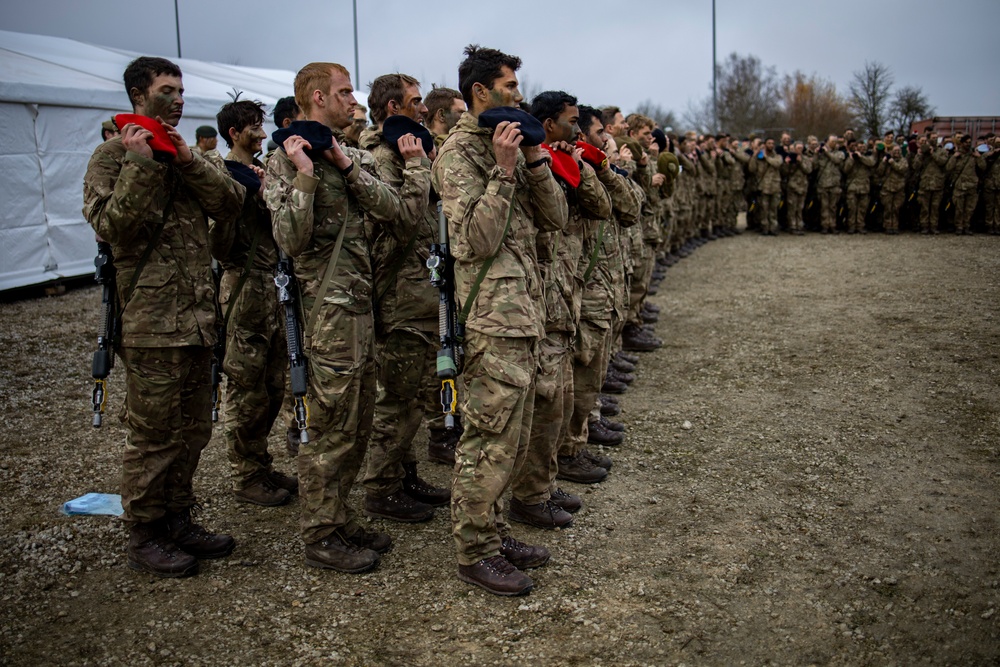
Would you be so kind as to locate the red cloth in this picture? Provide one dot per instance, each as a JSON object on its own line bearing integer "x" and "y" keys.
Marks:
{"x": 592, "y": 155}
{"x": 564, "y": 167}
{"x": 160, "y": 143}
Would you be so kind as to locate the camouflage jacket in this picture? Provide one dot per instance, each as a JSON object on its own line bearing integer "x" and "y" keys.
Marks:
{"x": 560, "y": 252}
{"x": 126, "y": 197}
{"x": 930, "y": 164}
{"x": 405, "y": 297}
{"x": 828, "y": 169}
{"x": 478, "y": 201}
{"x": 891, "y": 174}
{"x": 687, "y": 182}
{"x": 233, "y": 250}
{"x": 797, "y": 174}
{"x": 307, "y": 213}
{"x": 707, "y": 185}
{"x": 963, "y": 171}
{"x": 650, "y": 230}
{"x": 859, "y": 173}
{"x": 767, "y": 170}
{"x": 991, "y": 177}
{"x": 604, "y": 291}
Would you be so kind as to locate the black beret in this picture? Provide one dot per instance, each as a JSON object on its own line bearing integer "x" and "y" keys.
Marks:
{"x": 319, "y": 136}
{"x": 205, "y": 132}
{"x": 394, "y": 127}
{"x": 534, "y": 133}
{"x": 660, "y": 139}
{"x": 243, "y": 175}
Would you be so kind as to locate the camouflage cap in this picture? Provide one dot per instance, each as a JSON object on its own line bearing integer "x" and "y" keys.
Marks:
{"x": 668, "y": 165}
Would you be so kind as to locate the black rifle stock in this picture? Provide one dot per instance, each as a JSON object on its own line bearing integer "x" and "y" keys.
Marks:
{"x": 107, "y": 331}
{"x": 284, "y": 280}
{"x": 451, "y": 332}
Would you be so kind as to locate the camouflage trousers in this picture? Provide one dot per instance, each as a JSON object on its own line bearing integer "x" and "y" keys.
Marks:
{"x": 992, "y": 201}
{"x": 535, "y": 478}
{"x": 857, "y": 209}
{"x": 892, "y": 202}
{"x": 794, "y": 201}
{"x": 168, "y": 417}
{"x": 591, "y": 353}
{"x": 965, "y": 205}
{"x": 828, "y": 199}
{"x": 930, "y": 208}
{"x": 767, "y": 211}
{"x": 407, "y": 386}
{"x": 255, "y": 364}
{"x": 641, "y": 276}
{"x": 341, "y": 400}
{"x": 499, "y": 394}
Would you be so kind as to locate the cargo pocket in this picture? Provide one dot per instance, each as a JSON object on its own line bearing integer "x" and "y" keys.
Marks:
{"x": 550, "y": 357}
{"x": 152, "y": 309}
{"x": 494, "y": 393}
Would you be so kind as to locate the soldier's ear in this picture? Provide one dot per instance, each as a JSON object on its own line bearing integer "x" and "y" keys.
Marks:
{"x": 480, "y": 92}
{"x": 137, "y": 97}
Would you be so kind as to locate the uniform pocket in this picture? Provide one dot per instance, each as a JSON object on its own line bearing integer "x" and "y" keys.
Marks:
{"x": 494, "y": 392}
{"x": 152, "y": 309}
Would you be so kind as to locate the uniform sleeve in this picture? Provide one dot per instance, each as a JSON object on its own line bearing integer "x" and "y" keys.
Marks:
{"x": 413, "y": 184}
{"x": 379, "y": 200}
{"x": 592, "y": 198}
{"x": 117, "y": 193}
{"x": 551, "y": 212}
{"x": 289, "y": 196}
{"x": 219, "y": 194}
{"x": 625, "y": 202}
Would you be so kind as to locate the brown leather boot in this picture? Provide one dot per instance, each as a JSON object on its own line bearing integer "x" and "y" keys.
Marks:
{"x": 195, "y": 540}
{"x": 567, "y": 501}
{"x": 370, "y": 539}
{"x": 540, "y": 515}
{"x": 598, "y": 460}
{"x": 441, "y": 446}
{"x": 263, "y": 492}
{"x": 289, "y": 483}
{"x": 151, "y": 550}
{"x": 496, "y": 575}
{"x": 598, "y": 434}
{"x": 398, "y": 506}
{"x": 336, "y": 552}
{"x": 418, "y": 489}
{"x": 523, "y": 556}
{"x": 580, "y": 470}
{"x": 292, "y": 441}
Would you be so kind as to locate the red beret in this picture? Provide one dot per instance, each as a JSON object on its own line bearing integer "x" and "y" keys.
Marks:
{"x": 592, "y": 155}
{"x": 564, "y": 167}
{"x": 160, "y": 143}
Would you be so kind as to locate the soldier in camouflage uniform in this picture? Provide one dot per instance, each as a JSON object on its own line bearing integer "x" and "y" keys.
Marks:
{"x": 535, "y": 500}
{"x": 444, "y": 107}
{"x": 256, "y": 356}
{"x": 963, "y": 169}
{"x": 930, "y": 162}
{"x": 796, "y": 167}
{"x": 991, "y": 184}
{"x": 406, "y": 320}
{"x": 891, "y": 173}
{"x": 151, "y": 207}
{"x": 318, "y": 204}
{"x": 858, "y": 168}
{"x": 828, "y": 167}
{"x": 496, "y": 197}
{"x": 766, "y": 168}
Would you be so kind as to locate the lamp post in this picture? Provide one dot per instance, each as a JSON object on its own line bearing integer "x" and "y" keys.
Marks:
{"x": 177, "y": 26}
{"x": 357, "y": 69}
{"x": 715, "y": 97}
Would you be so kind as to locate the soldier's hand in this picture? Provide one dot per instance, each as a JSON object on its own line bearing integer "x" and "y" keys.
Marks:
{"x": 624, "y": 154}
{"x": 563, "y": 146}
{"x": 295, "y": 148}
{"x": 658, "y": 179}
{"x": 336, "y": 155}
{"x": 506, "y": 141}
{"x": 410, "y": 146}
{"x": 136, "y": 139}
{"x": 183, "y": 152}
{"x": 263, "y": 179}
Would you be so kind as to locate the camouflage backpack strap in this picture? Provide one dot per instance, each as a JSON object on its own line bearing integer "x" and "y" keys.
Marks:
{"x": 594, "y": 253}
{"x": 327, "y": 277}
{"x": 474, "y": 290}
{"x": 153, "y": 240}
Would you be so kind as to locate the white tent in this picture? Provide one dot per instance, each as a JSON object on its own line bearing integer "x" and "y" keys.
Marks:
{"x": 54, "y": 95}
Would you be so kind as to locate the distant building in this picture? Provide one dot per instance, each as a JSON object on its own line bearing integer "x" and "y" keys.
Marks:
{"x": 975, "y": 126}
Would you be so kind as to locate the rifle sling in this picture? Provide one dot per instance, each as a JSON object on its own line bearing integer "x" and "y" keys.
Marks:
{"x": 327, "y": 278}
{"x": 474, "y": 291}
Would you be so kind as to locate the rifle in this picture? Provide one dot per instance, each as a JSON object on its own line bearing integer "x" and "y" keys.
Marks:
{"x": 451, "y": 332}
{"x": 284, "y": 280}
{"x": 219, "y": 349}
{"x": 107, "y": 331}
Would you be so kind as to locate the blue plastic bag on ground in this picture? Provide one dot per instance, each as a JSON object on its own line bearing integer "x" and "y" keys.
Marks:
{"x": 94, "y": 503}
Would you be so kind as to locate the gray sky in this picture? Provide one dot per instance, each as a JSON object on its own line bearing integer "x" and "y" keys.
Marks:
{"x": 602, "y": 52}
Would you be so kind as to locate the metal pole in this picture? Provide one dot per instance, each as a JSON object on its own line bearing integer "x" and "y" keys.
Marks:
{"x": 177, "y": 25}
{"x": 357, "y": 68}
{"x": 715, "y": 98}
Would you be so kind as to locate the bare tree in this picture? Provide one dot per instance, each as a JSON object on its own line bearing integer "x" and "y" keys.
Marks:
{"x": 870, "y": 96}
{"x": 699, "y": 117}
{"x": 530, "y": 89}
{"x": 813, "y": 106}
{"x": 749, "y": 95}
{"x": 908, "y": 105}
{"x": 663, "y": 117}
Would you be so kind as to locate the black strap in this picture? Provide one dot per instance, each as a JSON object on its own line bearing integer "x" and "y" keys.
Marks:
{"x": 153, "y": 240}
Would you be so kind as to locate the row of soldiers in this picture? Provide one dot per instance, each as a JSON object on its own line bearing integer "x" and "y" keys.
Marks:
{"x": 560, "y": 221}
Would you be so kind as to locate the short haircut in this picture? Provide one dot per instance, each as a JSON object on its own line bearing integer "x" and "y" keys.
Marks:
{"x": 636, "y": 121}
{"x": 238, "y": 115}
{"x": 440, "y": 98}
{"x": 482, "y": 66}
{"x": 550, "y": 104}
{"x": 587, "y": 117}
{"x": 314, "y": 76}
{"x": 608, "y": 114}
{"x": 285, "y": 108}
{"x": 141, "y": 72}
{"x": 387, "y": 88}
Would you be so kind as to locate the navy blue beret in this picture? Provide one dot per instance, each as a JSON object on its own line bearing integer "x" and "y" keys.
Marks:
{"x": 394, "y": 127}
{"x": 534, "y": 133}
{"x": 319, "y": 136}
{"x": 243, "y": 175}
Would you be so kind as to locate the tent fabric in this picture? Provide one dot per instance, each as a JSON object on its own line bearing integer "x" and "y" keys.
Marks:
{"x": 54, "y": 94}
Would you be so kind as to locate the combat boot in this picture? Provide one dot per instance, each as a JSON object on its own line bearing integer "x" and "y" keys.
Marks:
{"x": 635, "y": 340}
{"x": 195, "y": 540}
{"x": 496, "y": 575}
{"x": 523, "y": 556}
{"x": 539, "y": 515}
{"x": 263, "y": 492}
{"x": 377, "y": 541}
{"x": 292, "y": 441}
{"x": 598, "y": 460}
{"x": 609, "y": 405}
{"x": 598, "y": 434}
{"x": 649, "y": 317}
{"x": 612, "y": 425}
{"x": 612, "y": 386}
{"x": 580, "y": 470}
{"x": 441, "y": 446}
{"x": 151, "y": 550}
{"x": 418, "y": 489}
{"x": 567, "y": 501}
{"x": 289, "y": 483}
{"x": 335, "y": 552}
{"x": 622, "y": 365}
{"x": 628, "y": 356}
{"x": 619, "y": 376}
{"x": 398, "y": 507}
{"x": 651, "y": 307}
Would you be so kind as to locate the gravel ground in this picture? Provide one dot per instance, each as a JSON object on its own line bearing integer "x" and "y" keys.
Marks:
{"x": 810, "y": 477}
